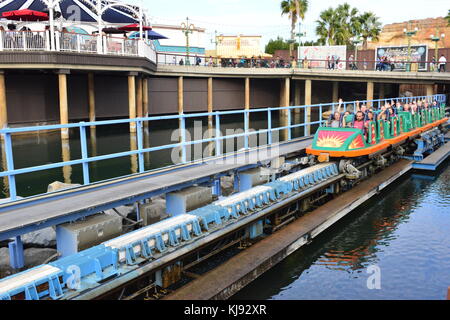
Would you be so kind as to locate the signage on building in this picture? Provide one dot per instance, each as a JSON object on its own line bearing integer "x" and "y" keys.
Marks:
{"x": 399, "y": 55}
{"x": 324, "y": 56}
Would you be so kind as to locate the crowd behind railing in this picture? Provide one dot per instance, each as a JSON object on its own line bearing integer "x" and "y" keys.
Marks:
{"x": 383, "y": 64}
{"x": 28, "y": 40}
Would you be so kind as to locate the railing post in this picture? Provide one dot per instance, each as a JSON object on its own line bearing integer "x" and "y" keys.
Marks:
{"x": 57, "y": 41}
{"x": 218, "y": 136}
{"x": 1, "y": 40}
{"x": 321, "y": 114}
{"x": 47, "y": 41}
{"x": 140, "y": 141}
{"x": 24, "y": 40}
{"x": 289, "y": 123}
{"x": 78, "y": 43}
{"x": 246, "y": 128}
{"x": 183, "y": 138}
{"x": 84, "y": 153}
{"x": 10, "y": 166}
{"x": 269, "y": 126}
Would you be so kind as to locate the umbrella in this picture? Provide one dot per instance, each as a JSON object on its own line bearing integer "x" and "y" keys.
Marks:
{"x": 152, "y": 35}
{"x": 134, "y": 27}
{"x": 25, "y": 15}
{"x": 112, "y": 31}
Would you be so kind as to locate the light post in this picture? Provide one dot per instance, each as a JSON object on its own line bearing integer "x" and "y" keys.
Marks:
{"x": 187, "y": 28}
{"x": 299, "y": 35}
{"x": 356, "y": 41}
{"x": 436, "y": 39}
{"x": 217, "y": 40}
{"x": 409, "y": 34}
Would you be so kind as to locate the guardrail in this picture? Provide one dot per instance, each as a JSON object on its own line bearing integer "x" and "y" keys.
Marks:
{"x": 259, "y": 62}
{"x": 76, "y": 42}
{"x": 183, "y": 143}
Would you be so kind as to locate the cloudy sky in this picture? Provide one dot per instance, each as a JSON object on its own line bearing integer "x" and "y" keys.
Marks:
{"x": 262, "y": 17}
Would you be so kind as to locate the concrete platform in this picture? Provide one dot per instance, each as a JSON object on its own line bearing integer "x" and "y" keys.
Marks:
{"x": 227, "y": 279}
{"x": 432, "y": 162}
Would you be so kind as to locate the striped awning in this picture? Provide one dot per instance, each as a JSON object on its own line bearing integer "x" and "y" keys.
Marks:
{"x": 79, "y": 10}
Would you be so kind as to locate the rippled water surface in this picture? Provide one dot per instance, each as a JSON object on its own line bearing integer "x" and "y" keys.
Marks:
{"x": 405, "y": 232}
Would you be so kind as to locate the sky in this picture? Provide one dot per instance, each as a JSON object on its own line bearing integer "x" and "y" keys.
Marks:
{"x": 263, "y": 17}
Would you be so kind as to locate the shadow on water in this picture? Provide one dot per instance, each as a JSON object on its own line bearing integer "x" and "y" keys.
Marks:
{"x": 403, "y": 231}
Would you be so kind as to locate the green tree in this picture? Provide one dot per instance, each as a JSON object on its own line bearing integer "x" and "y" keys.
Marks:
{"x": 278, "y": 44}
{"x": 327, "y": 27}
{"x": 448, "y": 17}
{"x": 338, "y": 26}
{"x": 294, "y": 9}
{"x": 370, "y": 28}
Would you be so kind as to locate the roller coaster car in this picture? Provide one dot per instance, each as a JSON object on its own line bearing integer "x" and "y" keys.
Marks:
{"x": 380, "y": 135}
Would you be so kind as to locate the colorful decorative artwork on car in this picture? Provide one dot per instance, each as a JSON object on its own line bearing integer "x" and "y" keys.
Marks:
{"x": 358, "y": 143}
{"x": 332, "y": 139}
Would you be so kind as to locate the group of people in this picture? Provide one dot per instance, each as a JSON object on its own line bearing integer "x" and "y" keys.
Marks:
{"x": 332, "y": 62}
{"x": 361, "y": 117}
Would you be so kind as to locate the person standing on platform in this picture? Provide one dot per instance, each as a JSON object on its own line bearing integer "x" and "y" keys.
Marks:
{"x": 442, "y": 63}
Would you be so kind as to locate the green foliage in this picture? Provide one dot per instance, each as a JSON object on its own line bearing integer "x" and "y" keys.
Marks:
{"x": 448, "y": 17}
{"x": 278, "y": 44}
{"x": 339, "y": 26}
{"x": 294, "y": 9}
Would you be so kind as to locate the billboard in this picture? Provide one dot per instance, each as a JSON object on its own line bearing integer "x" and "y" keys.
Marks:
{"x": 315, "y": 53}
{"x": 400, "y": 55}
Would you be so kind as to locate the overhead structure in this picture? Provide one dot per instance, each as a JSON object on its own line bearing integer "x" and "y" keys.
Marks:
{"x": 101, "y": 12}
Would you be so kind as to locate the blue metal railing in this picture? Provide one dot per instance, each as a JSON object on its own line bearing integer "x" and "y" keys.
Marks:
{"x": 85, "y": 160}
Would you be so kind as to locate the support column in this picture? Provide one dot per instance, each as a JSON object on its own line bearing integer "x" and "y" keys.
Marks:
{"x": 3, "y": 104}
{"x": 139, "y": 98}
{"x": 335, "y": 91}
{"x": 285, "y": 102}
{"x": 91, "y": 97}
{"x": 145, "y": 96}
{"x": 370, "y": 90}
{"x": 180, "y": 110}
{"x": 308, "y": 100}
{"x": 63, "y": 102}
{"x": 132, "y": 100}
{"x": 210, "y": 118}
{"x": 297, "y": 96}
{"x": 430, "y": 89}
{"x": 247, "y": 94}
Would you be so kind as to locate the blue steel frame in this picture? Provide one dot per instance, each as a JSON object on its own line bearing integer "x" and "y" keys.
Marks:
{"x": 85, "y": 160}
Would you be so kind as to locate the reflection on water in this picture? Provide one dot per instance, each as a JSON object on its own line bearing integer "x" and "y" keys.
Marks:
{"x": 46, "y": 148}
{"x": 404, "y": 231}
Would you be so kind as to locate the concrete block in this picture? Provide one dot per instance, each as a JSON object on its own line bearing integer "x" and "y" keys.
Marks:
{"x": 187, "y": 200}
{"x": 78, "y": 236}
{"x": 153, "y": 212}
{"x": 252, "y": 178}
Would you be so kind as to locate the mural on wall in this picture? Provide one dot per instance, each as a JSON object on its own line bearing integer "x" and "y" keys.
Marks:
{"x": 323, "y": 56}
{"x": 400, "y": 56}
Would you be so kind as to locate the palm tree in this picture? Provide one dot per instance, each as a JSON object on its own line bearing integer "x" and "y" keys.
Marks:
{"x": 338, "y": 26}
{"x": 327, "y": 27}
{"x": 370, "y": 28}
{"x": 349, "y": 24}
{"x": 294, "y": 9}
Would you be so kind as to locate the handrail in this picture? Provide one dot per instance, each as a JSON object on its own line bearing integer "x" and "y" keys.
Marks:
{"x": 218, "y": 139}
